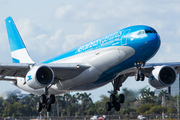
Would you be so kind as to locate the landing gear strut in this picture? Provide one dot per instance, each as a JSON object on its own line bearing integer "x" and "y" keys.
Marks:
{"x": 45, "y": 101}
{"x": 139, "y": 75}
{"x": 115, "y": 101}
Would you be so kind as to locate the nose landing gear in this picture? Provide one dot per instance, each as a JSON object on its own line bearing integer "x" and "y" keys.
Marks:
{"x": 139, "y": 76}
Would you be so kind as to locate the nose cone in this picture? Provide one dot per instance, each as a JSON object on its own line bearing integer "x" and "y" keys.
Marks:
{"x": 154, "y": 41}
{"x": 151, "y": 47}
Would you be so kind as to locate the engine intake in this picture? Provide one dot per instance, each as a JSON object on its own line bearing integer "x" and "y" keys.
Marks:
{"x": 44, "y": 75}
{"x": 39, "y": 77}
{"x": 162, "y": 76}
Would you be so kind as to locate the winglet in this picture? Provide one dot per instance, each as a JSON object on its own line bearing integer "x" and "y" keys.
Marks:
{"x": 19, "y": 52}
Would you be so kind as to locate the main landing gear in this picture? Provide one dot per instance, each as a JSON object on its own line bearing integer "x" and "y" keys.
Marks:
{"x": 116, "y": 100}
{"x": 45, "y": 101}
{"x": 139, "y": 76}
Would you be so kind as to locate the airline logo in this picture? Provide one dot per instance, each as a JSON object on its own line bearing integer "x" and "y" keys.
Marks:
{"x": 29, "y": 78}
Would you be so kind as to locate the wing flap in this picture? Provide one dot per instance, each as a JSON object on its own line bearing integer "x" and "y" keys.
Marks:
{"x": 13, "y": 69}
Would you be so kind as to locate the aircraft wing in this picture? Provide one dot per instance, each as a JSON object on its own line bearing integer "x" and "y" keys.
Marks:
{"x": 62, "y": 70}
{"x": 147, "y": 69}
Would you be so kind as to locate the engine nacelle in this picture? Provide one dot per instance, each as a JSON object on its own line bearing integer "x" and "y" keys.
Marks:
{"x": 39, "y": 77}
{"x": 162, "y": 76}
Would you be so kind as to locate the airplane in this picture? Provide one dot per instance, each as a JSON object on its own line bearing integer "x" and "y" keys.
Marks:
{"x": 111, "y": 58}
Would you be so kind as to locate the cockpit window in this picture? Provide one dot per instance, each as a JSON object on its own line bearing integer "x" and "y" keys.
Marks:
{"x": 148, "y": 31}
{"x": 154, "y": 31}
{"x": 140, "y": 32}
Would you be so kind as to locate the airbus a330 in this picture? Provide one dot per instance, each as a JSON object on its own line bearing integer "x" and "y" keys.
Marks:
{"x": 111, "y": 58}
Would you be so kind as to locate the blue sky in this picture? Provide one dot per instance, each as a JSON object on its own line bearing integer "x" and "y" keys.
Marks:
{"x": 49, "y": 28}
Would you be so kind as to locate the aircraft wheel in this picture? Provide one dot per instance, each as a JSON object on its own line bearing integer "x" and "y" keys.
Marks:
{"x": 48, "y": 107}
{"x": 137, "y": 77}
{"x": 39, "y": 106}
{"x": 142, "y": 77}
{"x": 52, "y": 98}
{"x": 108, "y": 106}
{"x": 121, "y": 98}
{"x": 117, "y": 106}
{"x": 43, "y": 99}
{"x": 112, "y": 98}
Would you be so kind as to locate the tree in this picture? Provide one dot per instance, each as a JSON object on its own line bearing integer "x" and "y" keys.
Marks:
{"x": 164, "y": 93}
{"x": 145, "y": 109}
{"x": 34, "y": 101}
{"x": 85, "y": 99}
{"x": 26, "y": 110}
{"x": 17, "y": 109}
{"x": 12, "y": 98}
{"x": 158, "y": 109}
{"x": 61, "y": 102}
{"x": 100, "y": 105}
{"x": 147, "y": 95}
{"x": 172, "y": 110}
{"x": 127, "y": 111}
{"x": 70, "y": 109}
{"x": 131, "y": 95}
{"x": 25, "y": 100}
{"x": 1, "y": 106}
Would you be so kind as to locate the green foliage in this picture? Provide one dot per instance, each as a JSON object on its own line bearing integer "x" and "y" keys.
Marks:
{"x": 172, "y": 110}
{"x": 131, "y": 95}
{"x": 158, "y": 109}
{"x": 145, "y": 109}
{"x": 138, "y": 102}
{"x": 127, "y": 111}
{"x": 15, "y": 107}
{"x": 147, "y": 95}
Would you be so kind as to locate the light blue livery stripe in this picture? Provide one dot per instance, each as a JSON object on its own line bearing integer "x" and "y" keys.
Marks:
{"x": 118, "y": 38}
{"x": 15, "y": 40}
{"x": 15, "y": 60}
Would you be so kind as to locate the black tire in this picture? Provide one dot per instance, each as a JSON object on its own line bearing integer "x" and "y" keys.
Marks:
{"x": 43, "y": 99}
{"x": 121, "y": 98}
{"x": 48, "y": 107}
{"x": 142, "y": 77}
{"x": 112, "y": 98}
{"x": 38, "y": 106}
{"x": 137, "y": 77}
{"x": 117, "y": 106}
{"x": 108, "y": 106}
{"x": 52, "y": 98}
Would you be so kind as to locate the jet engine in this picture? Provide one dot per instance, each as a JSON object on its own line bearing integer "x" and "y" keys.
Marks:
{"x": 162, "y": 76}
{"x": 39, "y": 77}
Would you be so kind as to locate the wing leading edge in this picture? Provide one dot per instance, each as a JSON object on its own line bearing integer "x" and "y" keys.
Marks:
{"x": 62, "y": 71}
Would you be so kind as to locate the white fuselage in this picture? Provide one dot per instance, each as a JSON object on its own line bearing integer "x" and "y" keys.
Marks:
{"x": 100, "y": 61}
